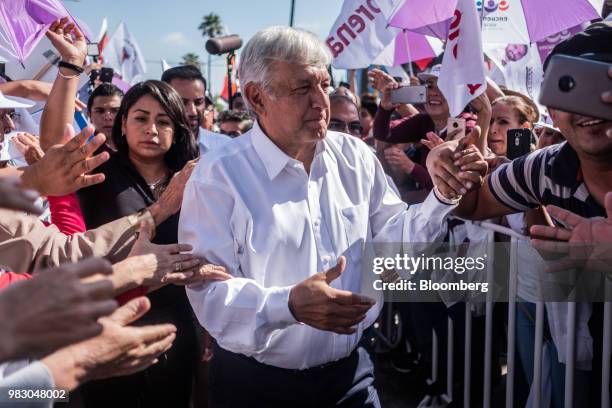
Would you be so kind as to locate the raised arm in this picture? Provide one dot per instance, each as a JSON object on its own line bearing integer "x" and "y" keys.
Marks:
{"x": 59, "y": 110}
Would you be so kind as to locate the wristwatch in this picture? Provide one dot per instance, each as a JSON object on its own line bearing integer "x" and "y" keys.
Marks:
{"x": 143, "y": 216}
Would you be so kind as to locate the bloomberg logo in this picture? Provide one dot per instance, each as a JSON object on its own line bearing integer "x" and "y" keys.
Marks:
{"x": 492, "y": 6}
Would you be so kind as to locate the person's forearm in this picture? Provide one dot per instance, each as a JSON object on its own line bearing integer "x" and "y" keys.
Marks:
{"x": 382, "y": 120}
{"x": 66, "y": 373}
{"x": 467, "y": 208}
{"x": 21, "y": 88}
{"x": 493, "y": 90}
{"x": 483, "y": 121}
{"x": 59, "y": 109}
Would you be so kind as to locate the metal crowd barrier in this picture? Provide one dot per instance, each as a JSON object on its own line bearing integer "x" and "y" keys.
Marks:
{"x": 511, "y": 354}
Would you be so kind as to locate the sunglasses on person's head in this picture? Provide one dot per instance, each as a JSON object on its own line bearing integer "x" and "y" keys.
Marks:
{"x": 354, "y": 128}
{"x": 234, "y": 133}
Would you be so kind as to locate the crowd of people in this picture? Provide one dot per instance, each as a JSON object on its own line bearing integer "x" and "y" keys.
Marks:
{"x": 172, "y": 255}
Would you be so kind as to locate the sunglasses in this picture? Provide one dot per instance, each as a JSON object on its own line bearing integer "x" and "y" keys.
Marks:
{"x": 354, "y": 128}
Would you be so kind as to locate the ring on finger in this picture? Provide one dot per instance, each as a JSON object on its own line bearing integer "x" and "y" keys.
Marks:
{"x": 83, "y": 150}
{"x": 178, "y": 267}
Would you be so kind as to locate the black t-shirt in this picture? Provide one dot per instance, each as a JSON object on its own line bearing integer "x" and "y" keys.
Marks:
{"x": 122, "y": 193}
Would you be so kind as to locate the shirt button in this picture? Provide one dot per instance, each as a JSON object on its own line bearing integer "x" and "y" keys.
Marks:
{"x": 316, "y": 223}
{"x": 326, "y": 259}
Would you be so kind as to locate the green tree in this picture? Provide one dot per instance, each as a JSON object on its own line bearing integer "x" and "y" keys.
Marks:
{"x": 210, "y": 27}
{"x": 191, "y": 58}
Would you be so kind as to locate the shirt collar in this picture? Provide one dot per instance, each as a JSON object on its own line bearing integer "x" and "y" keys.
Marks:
{"x": 273, "y": 158}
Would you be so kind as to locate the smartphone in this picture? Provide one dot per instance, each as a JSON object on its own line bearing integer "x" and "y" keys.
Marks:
{"x": 454, "y": 124}
{"x": 106, "y": 75}
{"x": 93, "y": 50}
{"x": 518, "y": 143}
{"x": 409, "y": 94}
{"x": 574, "y": 84}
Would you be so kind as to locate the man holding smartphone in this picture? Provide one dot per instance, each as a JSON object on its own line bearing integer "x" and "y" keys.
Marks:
{"x": 574, "y": 175}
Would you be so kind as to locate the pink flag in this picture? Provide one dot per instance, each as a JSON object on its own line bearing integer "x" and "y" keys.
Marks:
{"x": 25, "y": 22}
{"x": 462, "y": 77}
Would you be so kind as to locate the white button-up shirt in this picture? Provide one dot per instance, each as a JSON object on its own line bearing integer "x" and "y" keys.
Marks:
{"x": 208, "y": 140}
{"x": 256, "y": 211}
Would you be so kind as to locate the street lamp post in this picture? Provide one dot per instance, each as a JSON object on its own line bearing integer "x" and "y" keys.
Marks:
{"x": 292, "y": 13}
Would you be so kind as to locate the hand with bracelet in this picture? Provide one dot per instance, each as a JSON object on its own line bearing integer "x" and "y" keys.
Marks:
{"x": 457, "y": 167}
{"x": 70, "y": 42}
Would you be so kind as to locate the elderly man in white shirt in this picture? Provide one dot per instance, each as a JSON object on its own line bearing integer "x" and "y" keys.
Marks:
{"x": 287, "y": 208}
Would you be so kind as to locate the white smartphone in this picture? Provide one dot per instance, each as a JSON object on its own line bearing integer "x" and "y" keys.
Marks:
{"x": 455, "y": 124}
{"x": 409, "y": 94}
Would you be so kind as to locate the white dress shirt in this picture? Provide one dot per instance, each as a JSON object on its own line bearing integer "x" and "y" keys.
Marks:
{"x": 255, "y": 210}
{"x": 208, "y": 140}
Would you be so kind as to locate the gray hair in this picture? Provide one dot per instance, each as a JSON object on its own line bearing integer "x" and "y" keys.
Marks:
{"x": 292, "y": 45}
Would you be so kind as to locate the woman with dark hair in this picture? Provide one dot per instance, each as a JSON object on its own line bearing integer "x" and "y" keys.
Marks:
{"x": 153, "y": 141}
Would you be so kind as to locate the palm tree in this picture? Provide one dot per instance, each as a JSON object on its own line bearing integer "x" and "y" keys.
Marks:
{"x": 210, "y": 27}
{"x": 191, "y": 58}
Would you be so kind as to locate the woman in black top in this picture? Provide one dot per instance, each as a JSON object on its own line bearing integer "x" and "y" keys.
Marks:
{"x": 153, "y": 142}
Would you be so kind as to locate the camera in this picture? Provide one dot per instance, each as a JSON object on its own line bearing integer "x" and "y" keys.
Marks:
{"x": 566, "y": 83}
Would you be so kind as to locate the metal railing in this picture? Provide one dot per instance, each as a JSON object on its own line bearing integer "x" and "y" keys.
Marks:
{"x": 570, "y": 346}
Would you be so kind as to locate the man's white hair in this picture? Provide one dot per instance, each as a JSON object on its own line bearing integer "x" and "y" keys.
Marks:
{"x": 292, "y": 45}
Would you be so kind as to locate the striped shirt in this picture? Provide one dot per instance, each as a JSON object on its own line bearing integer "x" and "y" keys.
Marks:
{"x": 547, "y": 176}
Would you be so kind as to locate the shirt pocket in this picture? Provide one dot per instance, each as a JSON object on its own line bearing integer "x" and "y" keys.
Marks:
{"x": 355, "y": 222}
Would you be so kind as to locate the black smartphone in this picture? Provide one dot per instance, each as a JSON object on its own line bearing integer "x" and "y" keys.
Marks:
{"x": 575, "y": 84}
{"x": 106, "y": 75}
{"x": 518, "y": 143}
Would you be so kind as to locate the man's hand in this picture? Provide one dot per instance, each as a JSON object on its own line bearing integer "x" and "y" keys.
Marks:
{"x": 584, "y": 240}
{"x": 607, "y": 98}
{"x": 13, "y": 197}
{"x": 29, "y": 146}
{"x": 63, "y": 169}
{"x": 69, "y": 41}
{"x": 397, "y": 158}
{"x": 154, "y": 265}
{"x": 170, "y": 201}
{"x": 118, "y": 350}
{"x": 315, "y": 303}
{"x": 54, "y": 309}
{"x": 457, "y": 166}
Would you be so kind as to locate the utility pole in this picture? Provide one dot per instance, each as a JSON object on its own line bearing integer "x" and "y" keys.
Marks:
{"x": 292, "y": 13}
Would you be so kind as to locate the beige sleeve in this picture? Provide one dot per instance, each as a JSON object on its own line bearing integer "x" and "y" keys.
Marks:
{"x": 27, "y": 245}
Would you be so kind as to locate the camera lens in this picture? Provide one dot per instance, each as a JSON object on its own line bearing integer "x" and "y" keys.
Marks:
{"x": 455, "y": 125}
{"x": 566, "y": 83}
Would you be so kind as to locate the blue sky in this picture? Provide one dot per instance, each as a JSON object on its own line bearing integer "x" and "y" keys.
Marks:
{"x": 168, "y": 28}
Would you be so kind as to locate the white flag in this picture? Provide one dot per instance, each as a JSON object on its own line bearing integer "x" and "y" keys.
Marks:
{"x": 360, "y": 33}
{"x": 462, "y": 77}
{"x": 123, "y": 55}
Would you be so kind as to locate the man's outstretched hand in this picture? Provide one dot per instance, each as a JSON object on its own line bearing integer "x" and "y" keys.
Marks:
{"x": 315, "y": 303}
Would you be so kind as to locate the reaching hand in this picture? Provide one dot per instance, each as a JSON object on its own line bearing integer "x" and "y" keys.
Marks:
{"x": 457, "y": 166}
{"x": 69, "y": 41}
{"x": 380, "y": 79}
{"x": 581, "y": 239}
{"x": 397, "y": 158}
{"x": 54, "y": 309}
{"x": 63, "y": 169}
{"x": 29, "y": 146}
{"x": 118, "y": 350}
{"x": 315, "y": 303}
{"x": 170, "y": 201}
